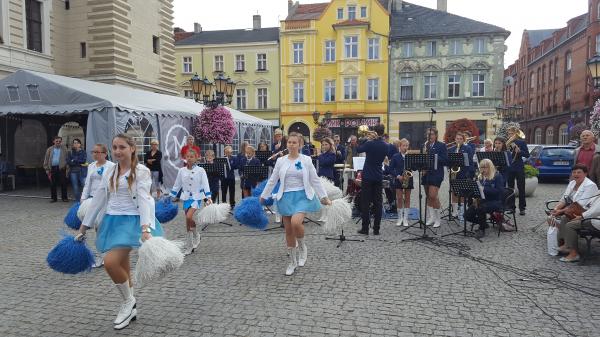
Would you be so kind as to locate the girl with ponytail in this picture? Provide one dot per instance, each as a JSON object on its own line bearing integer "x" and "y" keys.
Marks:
{"x": 124, "y": 194}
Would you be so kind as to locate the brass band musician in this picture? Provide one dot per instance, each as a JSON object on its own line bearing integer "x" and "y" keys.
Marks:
{"x": 492, "y": 185}
{"x": 516, "y": 172}
{"x": 432, "y": 179}
{"x": 466, "y": 172}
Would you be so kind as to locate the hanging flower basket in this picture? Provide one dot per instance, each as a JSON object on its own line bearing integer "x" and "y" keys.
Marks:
{"x": 321, "y": 133}
{"x": 215, "y": 126}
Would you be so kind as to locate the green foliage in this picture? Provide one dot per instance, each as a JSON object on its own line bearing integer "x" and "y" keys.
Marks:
{"x": 531, "y": 171}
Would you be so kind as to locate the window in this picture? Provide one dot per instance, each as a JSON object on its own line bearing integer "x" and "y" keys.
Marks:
{"x": 598, "y": 44}
{"x": 218, "y": 62}
{"x": 538, "y": 136}
{"x": 241, "y": 99}
{"x": 550, "y": 72}
{"x": 261, "y": 62}
{"x": 155, "y": 44}
{"x": 187, "y": 64}
{"x": 598, "y": 11}
{"x": 33, "y": 17}
{"x": 479, "y": 47}
{"x": 298, "y": 92}
{"x": 82, "y": 50}
{"x": 262, "y": 98}
{"x": 549, "y": 135}
{"x": 351, "y": 12}
{"x": 567, "y": 92}
{"x": 563, "y": 134}
{"x": 373, "y": 89}
{"x": 453, "y": 86}
{"x": 340, "y": 13}
{"x": 188, "y": 94}
{"x": 351, "y": 47}
{"x": 532, "y": 80}
{"x": 568, "y": 62}
{"x": 407, "y": 49}
{"x": 456, "y": 47}
{"x": 414, "y": 132}
{"x": 298, "y": 52}
{"x": 330, "y": 91}
{"x": 478, "y": 85}
{"x": 406, "y": 88}
{"x": 374, "y": 49}
{"x": 329, "y": 51}
{"x": 363, "y": 12}
{"x": 556, "y": 68}
{"x": 34, "y": 93}
{"x": 13, "y": 93}
{"x": 431, "y": 48}
{"x": 240, "y": 63}
{"x": 430, "y": 87}
{"x": 350, "y": 88}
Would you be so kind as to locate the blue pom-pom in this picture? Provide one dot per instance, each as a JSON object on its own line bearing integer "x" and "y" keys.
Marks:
{"x": 70, "y": 256}
{"x": 71, "y": 219}
{"x": 257, "y": 191}
{"x": 249, "y": 212}
{"x": 165, "y": 210}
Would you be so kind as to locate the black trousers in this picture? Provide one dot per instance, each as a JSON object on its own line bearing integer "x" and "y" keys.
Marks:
{"x": 59, "y": 178}
{"x": 228, "y": 185}
{"x": 519, "y": 176}
{"x": 370, "y": 194}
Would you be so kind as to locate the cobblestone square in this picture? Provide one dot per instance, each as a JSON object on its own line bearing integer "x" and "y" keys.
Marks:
{"x": 235, "y": 284}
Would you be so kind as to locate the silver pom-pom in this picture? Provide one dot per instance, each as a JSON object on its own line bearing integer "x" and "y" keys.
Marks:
{"x": 337, "y": 214}
{"x": 212, "y": 214}
{"x": 157, "y": 257}
{"x": 333, "y": 192}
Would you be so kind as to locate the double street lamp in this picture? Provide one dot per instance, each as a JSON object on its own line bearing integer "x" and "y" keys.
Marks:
{"x": 213, "y": 94}
{"x": 326, "y": 117}
{"x": 594, "y": 68}
{"x": 509, "y": 113}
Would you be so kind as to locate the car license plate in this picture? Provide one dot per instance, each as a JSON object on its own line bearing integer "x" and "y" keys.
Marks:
{"x": 561, "y": 163}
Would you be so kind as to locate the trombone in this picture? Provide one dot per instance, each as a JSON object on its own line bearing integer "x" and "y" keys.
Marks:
{"x": 469, "y": 139}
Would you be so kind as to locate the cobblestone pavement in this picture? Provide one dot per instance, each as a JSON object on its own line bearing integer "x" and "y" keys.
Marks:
{"x": 235, "y": 284}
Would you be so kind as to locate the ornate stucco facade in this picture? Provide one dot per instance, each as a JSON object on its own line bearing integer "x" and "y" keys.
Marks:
{"x": 125, "y": 42}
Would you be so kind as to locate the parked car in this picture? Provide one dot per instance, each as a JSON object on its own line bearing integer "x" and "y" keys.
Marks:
{"x": 553, "y": 161}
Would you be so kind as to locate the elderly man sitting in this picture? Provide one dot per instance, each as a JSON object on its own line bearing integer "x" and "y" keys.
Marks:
{"x": 580, "y": 190}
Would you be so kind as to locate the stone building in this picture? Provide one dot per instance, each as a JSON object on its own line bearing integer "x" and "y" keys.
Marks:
{"x": 550, "y": 80}
{"x": 249, "y": 56}
{"x": 444, "y": 62}
{"x": 125, "y": 42}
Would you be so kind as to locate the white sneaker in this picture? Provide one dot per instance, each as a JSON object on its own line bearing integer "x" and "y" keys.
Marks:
{"x": 127, "y": 313}
{"x": 437, "y": 222}
{"x": 98, "y": 263}
{"x": 277, "y": 217}
{"x": 302, "y": 253}
{"x": 293, "y": 261}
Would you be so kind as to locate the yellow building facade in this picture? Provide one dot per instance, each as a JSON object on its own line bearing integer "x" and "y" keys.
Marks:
{"x": 249, "y": 56}
{"x": 334, "y": 57}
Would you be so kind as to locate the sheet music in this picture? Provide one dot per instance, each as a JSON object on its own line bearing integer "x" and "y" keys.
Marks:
{"x": 358, "y": 163}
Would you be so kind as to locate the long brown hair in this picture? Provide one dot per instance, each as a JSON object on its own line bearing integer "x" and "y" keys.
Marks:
{"x": 331, "y": 144}
{"x": 134, "y": 161}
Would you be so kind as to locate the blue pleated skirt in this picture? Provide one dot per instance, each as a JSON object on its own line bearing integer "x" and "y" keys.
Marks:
{"x": 297, "y": 202}
{"x": 122, "y": 231}
{"x": 191, "y": 203}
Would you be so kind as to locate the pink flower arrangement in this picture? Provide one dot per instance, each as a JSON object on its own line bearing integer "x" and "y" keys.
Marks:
{"x": 215, "y": 126}
{"x": 595, "y": 119}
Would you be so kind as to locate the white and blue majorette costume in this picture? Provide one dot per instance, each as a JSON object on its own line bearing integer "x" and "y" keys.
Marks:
{"x": 127, "y": 209}
{"x": 94, "y": 178}
{"x": 300, "y": 189}
{"x": 194, "y": 186}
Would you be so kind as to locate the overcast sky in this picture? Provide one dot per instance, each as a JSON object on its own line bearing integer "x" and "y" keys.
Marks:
{"x": 513, "y": 15}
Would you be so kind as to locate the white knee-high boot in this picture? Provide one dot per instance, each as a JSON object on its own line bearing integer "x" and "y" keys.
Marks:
{"x": 430, "y": 216}
{"x": 302, "y": 252}
{"x": 405, "y": 221}
{"x": 128, "y": 311}
{"x": 400, "y": 216}
{"x": 454, "y": 209}
{"x": 437, "y": 221}
{"x": 293, "y": 253}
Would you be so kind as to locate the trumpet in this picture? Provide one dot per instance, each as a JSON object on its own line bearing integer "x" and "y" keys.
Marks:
{"x": 469, "y": 139}
{"x": 364, "y": 132}
{"x": 406, "y": 175}
{"x": 280, "y": 153}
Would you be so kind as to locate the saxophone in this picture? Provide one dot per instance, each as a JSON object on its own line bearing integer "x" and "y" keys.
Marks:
{"x": 406, "y": 175}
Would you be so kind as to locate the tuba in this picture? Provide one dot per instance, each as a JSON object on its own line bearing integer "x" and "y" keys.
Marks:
{"x": 510, "y": 143}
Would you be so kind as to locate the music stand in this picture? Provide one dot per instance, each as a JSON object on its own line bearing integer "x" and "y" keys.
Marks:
{"x": 468, "y": 189}
{"x": 500, "y": 159}
{"x": 460, "y": 160}
{"x": 263, "y": 156}
{"x": 419, "y": 162}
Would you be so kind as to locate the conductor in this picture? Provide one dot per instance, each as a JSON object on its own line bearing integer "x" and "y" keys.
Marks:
{"x": 372, "y": 177}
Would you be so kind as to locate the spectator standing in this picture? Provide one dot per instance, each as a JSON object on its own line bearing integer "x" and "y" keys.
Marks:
{"x": 588, "y": 154}
{"x": 76, "y": 160}
{"x": 189, "y": 145}
{"x": 152, "y": 160}
{"x": 55, "y": 164}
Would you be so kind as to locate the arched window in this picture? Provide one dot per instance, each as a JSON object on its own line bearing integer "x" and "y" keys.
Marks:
{"x": 563, "y": 134}
{"x": 30, "y": 143}
{"x": 70, "y": 131}
{"x": 538, "y": 136}
{"x": 549, "y": 135}
{"x": 142, "y": 131}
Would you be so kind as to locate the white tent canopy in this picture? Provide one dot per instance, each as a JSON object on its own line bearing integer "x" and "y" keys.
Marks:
{"x": 114, "y": 109}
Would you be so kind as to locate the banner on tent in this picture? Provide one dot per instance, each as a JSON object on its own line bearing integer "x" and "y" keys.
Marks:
{"x": 173, "y": 132}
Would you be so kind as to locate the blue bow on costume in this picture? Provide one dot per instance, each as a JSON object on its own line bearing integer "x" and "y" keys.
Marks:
{"x": 100, "y": 171}
{"x": 298, "y": 165}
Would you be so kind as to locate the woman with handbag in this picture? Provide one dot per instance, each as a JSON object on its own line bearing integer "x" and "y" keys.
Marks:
{"x": 578, "y": 196}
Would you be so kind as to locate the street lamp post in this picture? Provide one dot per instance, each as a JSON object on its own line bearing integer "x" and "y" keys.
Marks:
{"x": 203, "y": 90}
{"x": 326, "y": 117}
{"x": 594, "y": 68}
